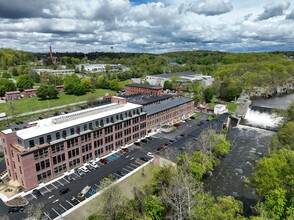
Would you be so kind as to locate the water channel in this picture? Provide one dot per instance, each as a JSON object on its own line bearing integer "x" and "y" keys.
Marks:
{"x": 250, "y": 141}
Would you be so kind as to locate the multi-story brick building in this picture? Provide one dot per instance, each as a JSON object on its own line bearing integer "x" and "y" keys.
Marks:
{"x": 169, "y": 111}
{"x": 50, "y": 147}
{"x": 135, "y": 88}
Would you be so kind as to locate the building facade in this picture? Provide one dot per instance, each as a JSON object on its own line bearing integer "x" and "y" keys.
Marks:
{"x": 136, "y": 88}
{"x": 169, "y": 111}
{"x": 52, "y": 146}
{"x": 28, "y": 93}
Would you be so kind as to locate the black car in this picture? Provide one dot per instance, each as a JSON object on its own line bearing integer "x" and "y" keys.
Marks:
{"x": 144, "y": 159}
{"x": 15, "y": 209}
{"x": 137, "y": 143}
{"x": 120, "y": 173}
{"x": 144, "y": 140}
{"x": 74, "y": 201}
{"x": 63, "y": 191}
{"x": 36, "y": 192}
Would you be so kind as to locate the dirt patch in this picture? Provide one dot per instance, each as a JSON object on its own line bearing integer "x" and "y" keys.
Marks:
{"x": 18, "y": 201}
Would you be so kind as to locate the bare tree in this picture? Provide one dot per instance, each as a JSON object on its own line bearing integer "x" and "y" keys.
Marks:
{"x": 35, "y": 212}
{"x": 180, "y": 195}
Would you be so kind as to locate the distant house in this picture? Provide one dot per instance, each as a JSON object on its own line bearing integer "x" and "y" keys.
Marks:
{"x": 14, "y": 95}
{"x": 28, "y": 93}
{"x": 137, "y": 88}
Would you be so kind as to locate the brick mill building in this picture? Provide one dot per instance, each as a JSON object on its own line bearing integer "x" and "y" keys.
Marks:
{"x": 52, "y": 146}
{"x": 28, "y": 93}
{"x": 14, "y": 95}
{"x": 136, "y": 88}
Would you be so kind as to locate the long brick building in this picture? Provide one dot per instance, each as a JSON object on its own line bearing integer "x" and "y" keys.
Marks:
{"x": 52, "y": 146}
{"x": 136, "y": 88}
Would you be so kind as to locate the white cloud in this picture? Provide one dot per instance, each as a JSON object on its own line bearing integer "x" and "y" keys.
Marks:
{"x": 274, "y": 9}
{"x": 210, "y": 7}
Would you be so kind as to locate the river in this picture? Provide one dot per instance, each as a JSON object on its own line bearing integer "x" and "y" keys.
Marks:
{"x": 249, "y": 143}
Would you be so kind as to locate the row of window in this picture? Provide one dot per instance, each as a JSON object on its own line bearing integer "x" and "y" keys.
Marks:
{"x": 44, "y": 176}
{"x": 42, "y": 165}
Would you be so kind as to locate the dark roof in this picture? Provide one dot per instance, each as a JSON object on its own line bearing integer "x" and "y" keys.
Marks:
{"x": 144, "y": 86}
{"x": 167, "y": 104}
{"x": 145, "y": 99}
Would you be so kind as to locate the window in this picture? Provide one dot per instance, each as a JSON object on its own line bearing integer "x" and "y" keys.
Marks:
{"x": 78, "y": 130}
{"x": 85, "y": 127}
{"x": 31, "y": 143}
{"x": 72, "y": 131}
{"x": 48, "y": 138}
{"x": 41, "y": 140}
{"x": 64, "y": 134}
{"x": 57, "y": 135}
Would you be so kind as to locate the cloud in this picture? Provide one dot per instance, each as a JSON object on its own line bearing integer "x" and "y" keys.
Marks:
{"x": 274, "y": 9}
{"x": 291, "y": 15}
{"x": 209, "y": 7}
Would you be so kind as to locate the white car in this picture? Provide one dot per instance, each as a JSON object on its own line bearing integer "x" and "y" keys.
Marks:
{"x": 94, "y": 165}
{"x": 84, "y": 169}
{"x": 150, "y": 154}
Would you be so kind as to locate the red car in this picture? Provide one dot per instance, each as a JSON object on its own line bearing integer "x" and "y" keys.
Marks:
{"x": 125, "y": 150}
{"x": 103, "y": 160}
{"x": 177, "y": 124}
{"x": 161, "y": 148}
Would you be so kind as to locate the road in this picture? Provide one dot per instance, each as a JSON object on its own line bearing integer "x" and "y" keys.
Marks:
{"x": 55, "y": 205}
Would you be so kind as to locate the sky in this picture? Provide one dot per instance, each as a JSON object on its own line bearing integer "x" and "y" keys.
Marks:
{"x": 156, "y": 26}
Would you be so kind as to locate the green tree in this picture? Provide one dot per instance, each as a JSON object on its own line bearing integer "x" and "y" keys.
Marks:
{"x": 87, "y": 84}
{"x": 114, "y": 85}
{"x": 71, "y": 83}
{"x": 47, "y": 92}
{"x": 6, "y": 86}
{"x": 79, "y": 90}
{"x": 286, "y": 136}
{"x": 153, "y": 207}
{"x": 24, "y": 82}
{"x": 208, "y": 94}
{"x": 6, "y": 75}
{"x": 167, "y": 85}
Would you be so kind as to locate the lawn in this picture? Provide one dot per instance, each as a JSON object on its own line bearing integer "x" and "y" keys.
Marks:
{"x": 123, "y": 83}
{"x": 32, "y": 104}
{"x": 127, "y": 185}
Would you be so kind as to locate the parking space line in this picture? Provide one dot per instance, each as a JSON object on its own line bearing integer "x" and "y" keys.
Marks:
{"x": 34, "y": 196}
{"x": 69, "y": 203}
{"x": 41, "y": 193}
{"x": 66, "y": 180}
{"x": 96, "y": 185}
{"x": 126, "y": 170}
{"x": 54, "y": 186}
{"x": 62, "y": 207}
{"x": 55, "y": 211}
{"x": 47, "y": 215}
{"x": 47, "y": 189}
{"x": 60, "y": 182}
{"x": 132, "y": 168}
{"x": 117, "y": 175}
{"x": 133, "y": 165}
{"x": 77, "y": 175}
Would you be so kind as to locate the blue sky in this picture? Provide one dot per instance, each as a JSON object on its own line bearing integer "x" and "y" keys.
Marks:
{"x": 147, "y": 26}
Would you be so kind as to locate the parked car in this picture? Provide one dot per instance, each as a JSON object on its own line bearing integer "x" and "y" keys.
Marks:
{"x": 69, "y": 178}
{"x": 103, "y": 160}
{"x": 125, "y": 150}
{"x": 89, "y": 167}
{"x": 36, "y": 192}
{"x": 161, "y": 148}
{"x": 144, "y": 141}
{"x": 94, "y": 165}
{"x": 137, "y": 143}
{"x": 15, "y": 209}
{"x": 63, "y": 191}
{"x": 150, "y": 154}
{"x": 80, "y": 172}
{"x": 177, "y": 124}
{"x": 149, "y": 138}
{"x": 144, "y": 159}
{"x": 84, "y": 169}
{"x": 74, "y": 201}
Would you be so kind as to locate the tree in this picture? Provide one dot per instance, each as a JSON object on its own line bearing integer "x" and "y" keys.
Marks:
{"x": 6, "y": 86}
{"x": 114, "y": 85}
{"x": 197, "y": 90}
{"x": 153, "y": 207}
{"x": 71, "y": 82}
{"x": 167, "y": 85}
{"x": 47, "y": 92}
{"x": 208, "y": 94}
{"x": 24, "y": 82}
{"x": 6, "y": 75}
{"x": 35, "y": 212}
{"x": 226, "y": 208}
{"x": 35, "y": 76}
{"x": 286, "y": 136}
{"x": 87, "y": 84}
{"x": 79, "y": 90}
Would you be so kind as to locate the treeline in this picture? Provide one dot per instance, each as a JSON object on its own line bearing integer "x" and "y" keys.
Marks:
{"x": 273, "y": 176}
{"x": 10, "y": 58}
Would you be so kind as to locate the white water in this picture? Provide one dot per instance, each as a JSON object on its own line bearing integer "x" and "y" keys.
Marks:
{"x": 262, "y": 119}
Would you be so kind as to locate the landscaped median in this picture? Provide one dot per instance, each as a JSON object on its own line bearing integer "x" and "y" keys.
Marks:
{"x": 137, "y": 178}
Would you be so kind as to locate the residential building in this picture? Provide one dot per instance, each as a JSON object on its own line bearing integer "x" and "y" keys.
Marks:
{"x": 136, "y": 88}
{"x": 52, "y": 146}
{"x": 14, "y": 95}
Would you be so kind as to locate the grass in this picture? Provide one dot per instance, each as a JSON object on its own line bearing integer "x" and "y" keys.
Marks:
{"x": 195, "y": 116}
{"x": 33, "y": 104}
{"x": 231, "y": 106}
{"x": 126, "y": 186}
{"x": 123, "y": 83}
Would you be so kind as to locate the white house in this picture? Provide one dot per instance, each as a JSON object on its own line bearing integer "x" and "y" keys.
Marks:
{"x": 220, "y": 109}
